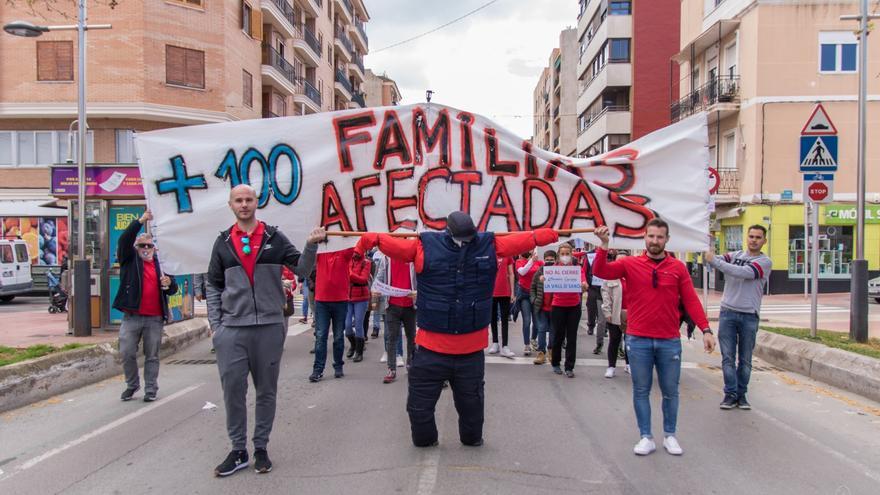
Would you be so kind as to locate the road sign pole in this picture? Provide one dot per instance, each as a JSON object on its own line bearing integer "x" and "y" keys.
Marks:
{"x": 806, "y": 244}
{"x": 814, "y": 271}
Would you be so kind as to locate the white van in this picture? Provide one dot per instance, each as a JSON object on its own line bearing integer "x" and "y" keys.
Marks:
{"x": 15, "y": 269}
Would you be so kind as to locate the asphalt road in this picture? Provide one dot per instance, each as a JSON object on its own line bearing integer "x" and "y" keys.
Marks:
{"x": 544, "y": 434}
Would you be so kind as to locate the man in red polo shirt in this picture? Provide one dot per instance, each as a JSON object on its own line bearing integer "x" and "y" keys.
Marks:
{"x": 455, "y": 274}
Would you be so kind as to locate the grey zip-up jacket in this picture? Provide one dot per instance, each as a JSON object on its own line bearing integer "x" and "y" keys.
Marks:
{"x": 232, "y": 300}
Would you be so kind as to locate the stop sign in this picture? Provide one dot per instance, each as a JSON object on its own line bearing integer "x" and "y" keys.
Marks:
{"x": 817, "y": 191}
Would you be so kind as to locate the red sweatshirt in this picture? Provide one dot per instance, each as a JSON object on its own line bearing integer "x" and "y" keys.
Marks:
{"x": 653, "y": 312}
{"x": 331, "y": 276}
{"x": 502, "y": 278}
{"x": 359, "y": 275}
{"x": 411, "y": 250}
{"x": 525, "y": 281}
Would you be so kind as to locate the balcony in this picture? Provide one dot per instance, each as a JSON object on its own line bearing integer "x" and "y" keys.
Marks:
{"x": 269, "y": 114}
{"x": 314, "y": 8}
{"x": 358, "y": 98}
{"x": 343, "y": 85}
{"x": 556, "y": 144}
{"x": 277, "y": 72}
{"x": 308, "y": 96}
{"x": 722, "y": 94}
{"x": 614, "y": 119}
{"x": 307, "y": 46}
{"x": 729, "y": 182}
{"x": 357, "y": 68}
{"x": 615, "y": 26}
{"x": 611, "y": 75}
{"x": 342, "y": 43}
{"x": 360, "y": 36}
{"x": 345, "y": 10}
{"x": 280, "y": 15}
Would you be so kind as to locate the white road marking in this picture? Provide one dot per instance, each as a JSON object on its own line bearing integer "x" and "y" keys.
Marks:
{"x": 94, "y": 433}
{"x": 428, "y": 474}
{"x": 298, "y": 329}
{"x": 579, "y": 362}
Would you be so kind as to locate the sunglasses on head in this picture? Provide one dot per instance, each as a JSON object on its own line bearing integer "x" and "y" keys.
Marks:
{"x": 246, "y": 248}
{"x": 146, "y": 246}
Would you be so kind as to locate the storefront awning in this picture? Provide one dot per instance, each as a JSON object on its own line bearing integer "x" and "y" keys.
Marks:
{"x": 722, "y": 213}
{"x": 29, "y": 208}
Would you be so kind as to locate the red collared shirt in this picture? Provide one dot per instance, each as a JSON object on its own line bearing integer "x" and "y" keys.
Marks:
{"x": 248, "y": 261}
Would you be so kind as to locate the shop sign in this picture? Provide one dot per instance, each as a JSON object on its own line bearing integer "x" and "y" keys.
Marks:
{"x": 101, "y": 181}
{"x": 846, "y": 214}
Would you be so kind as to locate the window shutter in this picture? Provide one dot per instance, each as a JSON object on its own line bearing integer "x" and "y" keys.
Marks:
{"x": 45, "y": 61}
{"x": 55, "y": 61}
{"x": 257, "y": 24}
{"x": 195, "y": 68}
{"x": 175, "y": 65}
{"x": 247, "y": 91}
{"x": 64, "y": 60}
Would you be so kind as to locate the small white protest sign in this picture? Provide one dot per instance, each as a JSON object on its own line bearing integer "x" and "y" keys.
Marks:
{"x": 562, "y": 278}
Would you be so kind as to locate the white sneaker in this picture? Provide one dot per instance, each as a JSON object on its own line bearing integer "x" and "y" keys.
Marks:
{"x": 506, "y": 352}
{"x": 384, "y": 358}
{"x": 627, "y": 369}
{"x": 671, "y": 445}
{"x": 494, "y": 348}
{"x": 645, "y": 446}
{"x": 609, "y": 373}
{"x": 400, "y": 361}
{"x": 527, "y": 351}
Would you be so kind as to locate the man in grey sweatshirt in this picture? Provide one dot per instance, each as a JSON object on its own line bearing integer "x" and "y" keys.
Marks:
{"x": 745, "y": 275}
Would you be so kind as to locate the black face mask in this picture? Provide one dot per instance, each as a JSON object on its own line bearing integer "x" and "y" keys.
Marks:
{"x": 549, "y": 263}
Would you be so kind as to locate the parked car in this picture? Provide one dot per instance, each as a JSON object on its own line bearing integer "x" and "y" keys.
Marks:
{"x": 15, "y": 269}
{"x": 874, "y": 288}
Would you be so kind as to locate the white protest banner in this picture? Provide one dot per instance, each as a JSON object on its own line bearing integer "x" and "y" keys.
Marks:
{"x": 388, "y": 290}
{"x": 562, "y": 278}
{"x": 404, "y": 169}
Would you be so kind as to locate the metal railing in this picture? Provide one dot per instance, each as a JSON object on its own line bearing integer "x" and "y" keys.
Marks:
{"x": 286, "y": 10}
{"x": 556, "y": 142}
{"x": 339, "y": 34}
{"x": 728, "y": 181}
{"x": 722, "y": 89}
{"x": 592, "y": 117}
{"x": 310, "y": 39}
{"x": 269, "y": 114}
{"x": 275, "y": 59}
{"x": 359, "y": 61}
{"x": 358, "y": 98}
{"x": 348, "y": 6}
{"x": 343, "y": 80}
{"x": 311, "y": 92}
{"x": 360, "y": 27}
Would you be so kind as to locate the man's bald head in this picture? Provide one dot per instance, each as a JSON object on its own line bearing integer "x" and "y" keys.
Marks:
{"x": 242, "y": 189}
{"x": 243, "y": 202}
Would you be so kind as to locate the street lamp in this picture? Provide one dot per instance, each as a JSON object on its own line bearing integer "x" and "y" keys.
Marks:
{"x": 82, "y": 278}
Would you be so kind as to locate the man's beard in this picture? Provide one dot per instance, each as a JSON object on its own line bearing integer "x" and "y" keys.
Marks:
{"x": 655, "y": 249}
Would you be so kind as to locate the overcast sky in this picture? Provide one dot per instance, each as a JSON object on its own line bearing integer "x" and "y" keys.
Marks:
{"x": 487, "y": 63}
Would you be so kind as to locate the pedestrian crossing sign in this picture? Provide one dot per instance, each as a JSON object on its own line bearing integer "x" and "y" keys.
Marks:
{"x": 818, "y": 154}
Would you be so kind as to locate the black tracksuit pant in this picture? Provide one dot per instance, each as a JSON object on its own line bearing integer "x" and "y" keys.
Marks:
{"x": 564, "y": 321}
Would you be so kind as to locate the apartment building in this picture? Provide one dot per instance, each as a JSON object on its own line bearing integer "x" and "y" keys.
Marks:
{"x": 381, "y": 90}
{"x": 624, "y": 73}
{"x": 758, "y": 68}
{"x": 166, "y": 63}
{"x": 555, "y": 98}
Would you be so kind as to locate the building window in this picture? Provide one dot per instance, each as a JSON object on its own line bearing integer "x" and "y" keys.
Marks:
{"x": 125, "y": 146}
{"x": 39, "y": 148}
{"x": 838, "y": 52}
{"x": 729, "y": 158}
{"x": 619, "y": 50}
{"x": 190, "y": 3}
{"x": 835, "y": 251}
{"x": 246, "y": 18}
{"x": 54, "y": 61}
{"x": 733, "y": 238}
{"x": 620, "y": 8}
{"x": 247, "y": 89}
{"x": 184, "y": 67}
{"x": 730, "y": 60}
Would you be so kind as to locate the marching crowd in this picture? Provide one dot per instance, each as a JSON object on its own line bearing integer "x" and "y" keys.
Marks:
{"x": 447, "y": 293}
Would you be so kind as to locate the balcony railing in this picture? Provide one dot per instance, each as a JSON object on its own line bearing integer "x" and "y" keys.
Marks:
{"x": 275, "y": 59}
{"x": 360, "y": 27}
{"x": 269, "y": 114}
{"x": 358, "y": 98}
{"x": 342, "y": 79}
{"x": 722, "y": 89}
{"x": 340, "y": 35}
{"x": 592, "y": 117}
{"x": 359, "y": 61}
{"x": 311, "y": 92}
{"x": 556, "y": 143}
{"x": 310, "y": 39}
{"x": 348, "y": 6}
{"x": 728, "y": 181}
{"x": 286, "y": 11}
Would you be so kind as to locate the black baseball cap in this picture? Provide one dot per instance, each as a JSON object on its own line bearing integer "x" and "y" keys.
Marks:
{"x": 460, "y": 226}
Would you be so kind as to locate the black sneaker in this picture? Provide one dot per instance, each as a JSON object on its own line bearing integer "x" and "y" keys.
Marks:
{"x": 338, "y": 374}
{"x": 742, "y": 403}
{"x": 478, "y": 443}
{"x": 598, "y": 349}
{"x": 236, "y": 460}
{"x": 315, "y": 377}
{"x": 150, "y": 397}
{"x": 129, "y": 393}
{"x": 262, "y": 464}
{"x": 729, "y": 402}
{"x": 557, "y": 370}
{"x": 589, "y": 331}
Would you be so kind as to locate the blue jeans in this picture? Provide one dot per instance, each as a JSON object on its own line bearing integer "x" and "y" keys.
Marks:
{"x": 736, "y": 333}
{"x": 644, "y": 355}
{"x": 325, "y": 313}
{"x": 545, "y": 336}
{"x": 354, "y": 318}
{"x": 305, "y": 304}
{"x": 529, "y": 331}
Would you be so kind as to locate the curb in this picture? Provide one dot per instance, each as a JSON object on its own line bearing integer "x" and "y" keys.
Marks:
{"x": 38, "y": 379}
{"x": 852, "y": 372}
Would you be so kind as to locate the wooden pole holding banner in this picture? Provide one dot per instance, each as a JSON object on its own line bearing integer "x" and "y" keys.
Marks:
{"x": 354, "y": 233}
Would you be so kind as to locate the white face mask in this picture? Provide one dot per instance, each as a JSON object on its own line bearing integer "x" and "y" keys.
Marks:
{"x": 565, "y": 260}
